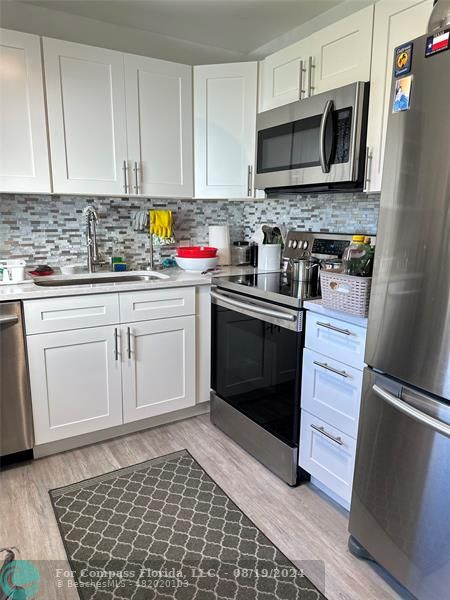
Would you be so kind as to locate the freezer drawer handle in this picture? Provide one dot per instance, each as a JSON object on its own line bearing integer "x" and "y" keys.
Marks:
{"x": 336, "y": 440}
{"x": 332, "y": 369}
{"x": 8, "y": 320}
{"x": 412, "y": 412}
{"x": 333, "y": 328}
{"x": 256, "y": 309}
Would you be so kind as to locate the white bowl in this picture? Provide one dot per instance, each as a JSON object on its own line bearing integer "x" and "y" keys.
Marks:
{"x": 196, "y": 264}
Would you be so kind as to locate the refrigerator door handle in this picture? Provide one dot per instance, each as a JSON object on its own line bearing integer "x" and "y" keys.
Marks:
{"x": 412, "y": 412}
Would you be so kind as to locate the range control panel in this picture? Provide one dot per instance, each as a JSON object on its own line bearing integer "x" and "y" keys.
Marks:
{"x": 321, "y": 245}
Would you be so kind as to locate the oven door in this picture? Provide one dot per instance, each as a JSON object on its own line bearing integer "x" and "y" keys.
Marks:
{"x": 316, "y": 142}
{"x": 256, "y": 361}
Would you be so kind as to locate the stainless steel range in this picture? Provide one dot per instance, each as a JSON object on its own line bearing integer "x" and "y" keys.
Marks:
{"x": 257, "y": 349}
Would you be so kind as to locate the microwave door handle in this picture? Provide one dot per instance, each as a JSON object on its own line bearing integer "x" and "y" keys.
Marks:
{"x": 323, "y": 130}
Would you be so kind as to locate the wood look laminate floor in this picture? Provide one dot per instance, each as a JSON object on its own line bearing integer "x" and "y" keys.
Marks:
{"x": 301, "y": 521}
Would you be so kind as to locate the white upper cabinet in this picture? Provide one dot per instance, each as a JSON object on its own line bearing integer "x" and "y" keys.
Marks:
{"x": 333, "y": 57}
{"x": 395, "y": 23}
{"x": 283, "y": 76}
{"x": 225, "y": 98}
{"x": 159, "y": 126}
{"x": 86, "y": 113}
{"x": 341, "y": 53}
{"x": 24, "y": 165}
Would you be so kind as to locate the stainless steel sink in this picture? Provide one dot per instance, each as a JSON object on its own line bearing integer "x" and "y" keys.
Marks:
{"x": 97, "y": 278}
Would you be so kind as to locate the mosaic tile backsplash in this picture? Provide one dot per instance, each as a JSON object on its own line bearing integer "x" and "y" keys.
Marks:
{"x": 50, "y": 229}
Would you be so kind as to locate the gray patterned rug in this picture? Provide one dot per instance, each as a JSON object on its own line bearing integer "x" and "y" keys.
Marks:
{"x": 164, "y": 529}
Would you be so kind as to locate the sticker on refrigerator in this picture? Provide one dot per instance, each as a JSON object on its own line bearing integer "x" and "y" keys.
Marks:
{"x": 403, "y": 60}
{"x": 402, "y": 95}
{"x": 439, "y": 42}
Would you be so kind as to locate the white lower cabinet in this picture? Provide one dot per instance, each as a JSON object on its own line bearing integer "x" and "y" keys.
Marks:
{"x": 332, "y": 391}
{"x": 328, "y": 455}
{"x": 100, "y": 375}
{"x": 158, "y": 367}
{"x": 330, "y": 401}
{"x": 76, "y": 382}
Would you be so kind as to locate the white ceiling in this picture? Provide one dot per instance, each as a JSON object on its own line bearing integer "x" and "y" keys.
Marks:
{"x": 238, "y": 25}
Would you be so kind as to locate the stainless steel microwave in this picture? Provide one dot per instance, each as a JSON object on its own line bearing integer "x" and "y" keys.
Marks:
{"x": 314, "y": 144}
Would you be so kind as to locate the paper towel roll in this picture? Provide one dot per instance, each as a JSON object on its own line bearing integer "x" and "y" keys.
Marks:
{"x": 219, "y": 237}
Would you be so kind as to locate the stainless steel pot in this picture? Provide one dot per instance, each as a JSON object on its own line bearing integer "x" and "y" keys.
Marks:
{"x": 307, "y": 270}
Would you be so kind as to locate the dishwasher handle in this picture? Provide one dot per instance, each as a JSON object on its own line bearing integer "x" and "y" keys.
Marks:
{"x": 412, "y": 412}
{"x": 8, "y": 320}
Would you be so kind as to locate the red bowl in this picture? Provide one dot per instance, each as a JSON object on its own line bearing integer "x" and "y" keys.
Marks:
{"x": 196, "y": 252}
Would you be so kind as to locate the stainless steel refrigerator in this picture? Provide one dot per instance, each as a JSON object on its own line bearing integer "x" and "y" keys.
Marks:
{"x": 400, "y": 511}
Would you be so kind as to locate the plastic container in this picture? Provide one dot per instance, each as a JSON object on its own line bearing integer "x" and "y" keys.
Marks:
{"x": 196, "y": 252}
{"x": 346, "y": 293}
{"x": 196, "y": 264}
{"x": 357, "y": 259}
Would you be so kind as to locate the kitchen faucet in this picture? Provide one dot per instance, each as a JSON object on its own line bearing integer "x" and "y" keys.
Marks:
{"x": 91, "y": 217}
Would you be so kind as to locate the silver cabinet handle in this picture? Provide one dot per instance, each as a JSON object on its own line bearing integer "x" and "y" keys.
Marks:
{"x": 116, "y": 344}
{"x": 332, "y": 369}
{"x": 412, "y": 412}
{"x": 125, "y": 176}
{"x": 333, "y": 328}
{"x": 129, "y": 342}
{"x": 322, "y": 430}
{"x": 136, "y": 179}
{"x": 8, "y": 320}
{"x": 256, "y": 309}
{"x": 301, "y": 90}
{"x": 311, "y": 67}
{"x": 249, "y": 180}
{"x": 323, "y": 128}
{"x": 369, "y": 159}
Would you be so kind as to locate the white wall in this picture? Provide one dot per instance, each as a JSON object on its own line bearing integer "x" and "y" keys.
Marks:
{"x": 57, "y": 24}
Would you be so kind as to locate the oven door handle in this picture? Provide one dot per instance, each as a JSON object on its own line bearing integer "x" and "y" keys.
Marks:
{"x": 256, "y": 309}
{"x": 323, "y": 129}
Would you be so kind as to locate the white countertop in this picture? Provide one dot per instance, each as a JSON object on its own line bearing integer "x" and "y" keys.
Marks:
{"x": 317, "y": 307}
{"x": 176, "y": 278}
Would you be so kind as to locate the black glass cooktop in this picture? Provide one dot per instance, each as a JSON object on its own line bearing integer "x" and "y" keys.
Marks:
{"x": 276, "y": 287}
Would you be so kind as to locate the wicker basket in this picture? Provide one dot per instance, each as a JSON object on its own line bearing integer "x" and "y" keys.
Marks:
{"x": 346, "y": 293}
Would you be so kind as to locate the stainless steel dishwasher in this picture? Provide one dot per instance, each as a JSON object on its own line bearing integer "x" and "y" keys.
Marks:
{"x": 16, "y": 421}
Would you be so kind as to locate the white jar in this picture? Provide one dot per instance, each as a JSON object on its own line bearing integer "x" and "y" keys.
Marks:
{"x": 269, "y": 257}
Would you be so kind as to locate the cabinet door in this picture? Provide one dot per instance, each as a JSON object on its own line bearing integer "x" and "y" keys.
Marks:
{"x": 86, "y": 114}
{"x": 159, "y": 126}
{"x": 283, "y": 76}
{"x": 224, "y": 129}
{"x": 395, "y": 23}
{"x": 158, "y": 367}
{"x": 327, "y": 454}
{"x": 23, "y": 137}
{"x": 331, "y": 391}
{"x": 341, "y": 53}
{"x": 75, "y": 382}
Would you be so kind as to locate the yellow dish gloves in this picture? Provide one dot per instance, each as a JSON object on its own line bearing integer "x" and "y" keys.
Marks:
{"x": 161, "y": 223}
